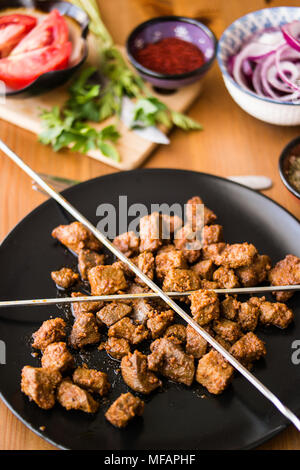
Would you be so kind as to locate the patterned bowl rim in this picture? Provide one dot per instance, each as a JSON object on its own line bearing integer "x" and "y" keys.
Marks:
{"x": 224, "y": 68}
{"x": 182, "y": 19}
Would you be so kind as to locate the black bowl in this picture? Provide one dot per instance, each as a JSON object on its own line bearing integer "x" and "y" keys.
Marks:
{"x": 78, "y": 18}
{"x": 293, "y": 146}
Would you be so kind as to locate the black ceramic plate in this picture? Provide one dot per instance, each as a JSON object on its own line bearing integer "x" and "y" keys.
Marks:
{"x": 179, "y": 418}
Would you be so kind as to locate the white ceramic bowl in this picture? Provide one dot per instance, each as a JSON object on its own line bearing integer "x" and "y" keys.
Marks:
{"x": 265, "y": 109}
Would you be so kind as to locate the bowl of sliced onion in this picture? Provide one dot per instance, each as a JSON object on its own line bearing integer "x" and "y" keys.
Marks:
{"x": 259, "y": 57}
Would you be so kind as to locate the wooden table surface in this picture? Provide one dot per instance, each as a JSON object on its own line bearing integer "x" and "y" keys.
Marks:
{"x": 232, "y": 143}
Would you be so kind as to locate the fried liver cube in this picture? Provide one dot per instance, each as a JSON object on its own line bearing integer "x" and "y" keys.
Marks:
{"x": 141, "y": 307}
{"x": 106, "y": 280}
{"x": 213, "y": 252}
{"x": 39, "y": 385}
{"x": 84, "y": 331}
{"x": 151, "y": 232}
{"x": 248, "y": 316}
{"x": 208, "y": 285}
{"x": 128, "y": 243}
{"x": 167, "y": 260}
{"x": 79, "y": 308}
{"x": 116, "y": 347}
{"x": 73, "y": 397}
{"x": 57, "y": 356}
{"x": 136, "y": 374}
{"x": 285, "y": 272}
{"x": 212, "y": 234}
{"x": 166, "y": 248}
{"x": 209, "y": 216}
{"x": 204, "y": 269}
{"x": 126, "y": 329}
{"x": 170, "y": 360}
{"x": 248, "y": 348}
{"x": 141, "y": 310}
{"x": 230, "y": 307}
{"x": 180, "y": 280}
{"x": 170, "y": 225}
{"x": 113, "y": 312}
{"x": 126, "y": 270}
{"x": 92, "y": 380}
{"x": 51, "y": 331}
{"x": 189, "y": 242}
{"x": 236, "y": 255}
{"x": 227, "y": 329}
{"x": 226, "y": 278}
{"x": 158, "y": 321}
{"x": 146, "y": 263}
{"x": 76, "y": 236}
{"x": 273, "y": 313}
{"x": 223, "y": 342}
{"x": 65, "y": 277}
{"x": 196, "y": 345}
{"x": 205, "y": 306}
{"x": 214, "y": 372}
{"x": 176, "y": 332}
{"x": 123, "y": 409}
{"x": 256, "y": 272}
{"x": 193, "y": 209}
{"x": 88, "y": 259}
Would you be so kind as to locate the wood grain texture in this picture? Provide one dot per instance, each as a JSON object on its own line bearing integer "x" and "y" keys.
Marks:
{"x": 232, "y": 143}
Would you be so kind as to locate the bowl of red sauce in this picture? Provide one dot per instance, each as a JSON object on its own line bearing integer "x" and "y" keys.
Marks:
{"x": 171, "y": 51}
{"x": 289, "y": 167}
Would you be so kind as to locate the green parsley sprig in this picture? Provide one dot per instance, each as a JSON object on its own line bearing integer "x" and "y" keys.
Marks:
{"x": 63, "y": 130}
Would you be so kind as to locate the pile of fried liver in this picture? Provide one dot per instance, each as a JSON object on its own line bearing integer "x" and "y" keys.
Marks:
{"x": 176, "y": 352}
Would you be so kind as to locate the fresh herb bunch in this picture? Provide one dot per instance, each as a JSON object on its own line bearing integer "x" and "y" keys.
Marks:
{"x": 63, "y": 130}
{"x": 90, "y": 101}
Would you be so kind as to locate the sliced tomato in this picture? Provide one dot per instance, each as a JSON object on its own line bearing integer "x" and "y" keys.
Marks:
{"x": 13, "y": 28}
{"x": 20, "y": 70}
{"x": 53, "y": 30}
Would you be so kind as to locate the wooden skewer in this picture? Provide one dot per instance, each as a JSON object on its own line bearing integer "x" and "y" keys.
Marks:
{"x": 78, "y": 216}
{"x": 142, "y": 295}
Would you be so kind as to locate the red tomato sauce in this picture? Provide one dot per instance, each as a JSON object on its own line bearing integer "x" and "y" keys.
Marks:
{"x": 171, "y": 56}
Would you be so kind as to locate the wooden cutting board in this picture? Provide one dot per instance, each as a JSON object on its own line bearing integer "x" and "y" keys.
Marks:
{"x": 24, "y": 112}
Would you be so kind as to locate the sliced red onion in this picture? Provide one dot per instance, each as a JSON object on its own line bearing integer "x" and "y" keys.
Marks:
{"x": 256, "y": 82}
{"x": 268, "y": 42}
{"x": 230, "y": 64}
{"x": 291, "y": 33}
{"x": 238, "y": 64}
{"x": 275, "y": 82}
{"x": 268, "y": 65}
{"x": 264, "y": 71}
{"x": 273, "y": 38}
{"x": 247, "y": 69}
{"x": 252, "y": 50}
{"x": 261, "y": 50}
{"x": 280, "y": 70}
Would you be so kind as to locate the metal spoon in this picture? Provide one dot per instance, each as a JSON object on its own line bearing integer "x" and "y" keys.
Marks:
{"x": 256, "y": 182}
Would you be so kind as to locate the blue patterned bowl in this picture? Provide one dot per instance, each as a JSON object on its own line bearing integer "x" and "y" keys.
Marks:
{"x": 263, "y": 108}
{"x": 172, "y": 26}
